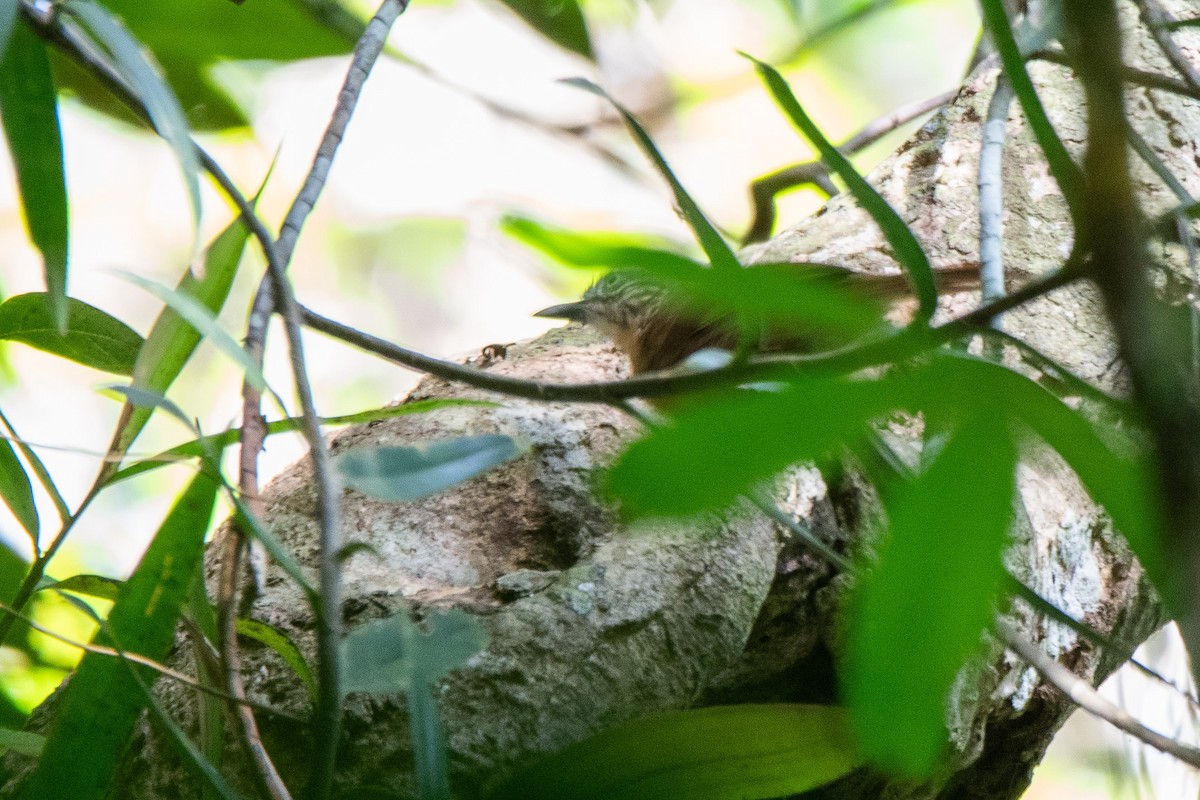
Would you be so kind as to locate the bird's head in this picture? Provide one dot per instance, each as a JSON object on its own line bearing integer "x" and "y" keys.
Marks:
{"x": 620, "y": 305}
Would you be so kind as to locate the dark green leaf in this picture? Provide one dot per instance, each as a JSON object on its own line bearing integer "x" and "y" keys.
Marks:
{"x": 391, "y": 656}
{"x": 904, "y": 244}
{"x": 560, "y": 21}
{"x": 161, "y": 104}
{"x": 81, "y": 757}
{"x": 29, "y": 105}
{"x": 13, "y": 569}
{"x": 172, "y": 340}
{"x": 219, "y": 441}
{"x": 714, "y": 245}
{"x": 283, "y": 646}
{"x": 17, "y": 492}
{"x": 741, "y": 752}
{"x": 712, "y": 454}
{"x": 218, "y": 31}
{"x": 91, "y": 585}
{"x": 192, "y": 759}
{"x": 93, "y": 338}
{"x": 39, "y": 469}
{"x": 26, "y": 743}
{"x": 920, "y": 612}
{"x": 406, "y": 473}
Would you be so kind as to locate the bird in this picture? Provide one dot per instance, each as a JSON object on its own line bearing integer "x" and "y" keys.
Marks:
{"x": 655, "y": 324}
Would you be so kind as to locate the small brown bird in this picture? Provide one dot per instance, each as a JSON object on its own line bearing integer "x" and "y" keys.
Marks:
{"x": 650, "y": 324}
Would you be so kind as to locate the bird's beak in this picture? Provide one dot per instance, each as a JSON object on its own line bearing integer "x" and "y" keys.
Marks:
{"x": 569, "y": 311}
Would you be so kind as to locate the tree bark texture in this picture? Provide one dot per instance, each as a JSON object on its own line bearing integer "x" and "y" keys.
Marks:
{"x": 592, "y": 623}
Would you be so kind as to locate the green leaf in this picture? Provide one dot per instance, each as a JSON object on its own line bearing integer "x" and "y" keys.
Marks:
{"x": 406, "y": 473}
{"x": 714, "y": 453}
{"x": 92, "y": 585}
{"x": 172, "y": 340}
{"x": 1119, "y": 478}
{"x": 939, "y": 565}
{"x": 1065, "y": 171}
{"x": 217, "y": 32}
{"x": 144, "y": 398}
{"x": 275, "y": 548}
{"x": 93, "y": 338}
{"x": 29, "y": 106}
{"x": 590, "y": 249}
{"x": 197, "y": 314}
{"x": 283, "y": 646}
{"x": 160, "y": 102}
{"x": 13, "y": 569}
{"x": 907, "y": 249}
{"x": 743, "y": 752}
{"x": 26, "y": 743}
{"x": 714, "y": 245}
{"x": 17, "y": 492}
{"x": 393, "y": 655}
{"x": 39, "y": 469}
{"x": 219, "y": 441}
{"x": 81, "y": 757}
{"x": 560, "y": 21}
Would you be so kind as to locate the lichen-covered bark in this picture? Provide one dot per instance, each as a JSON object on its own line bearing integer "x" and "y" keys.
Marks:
{"x": 593, "y": 624}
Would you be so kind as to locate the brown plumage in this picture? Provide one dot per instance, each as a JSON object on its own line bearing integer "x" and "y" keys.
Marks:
{"x": 656, "y": 330}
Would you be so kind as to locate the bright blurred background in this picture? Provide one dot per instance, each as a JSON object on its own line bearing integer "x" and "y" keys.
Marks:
{"x": 470, "y": 123}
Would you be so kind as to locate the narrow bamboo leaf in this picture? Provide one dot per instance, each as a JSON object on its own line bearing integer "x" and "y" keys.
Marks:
{"x": 92, "y": 585}
{"x": 390, "y": 656}
{"x": 39, "y": 469}
{"x": 143, "y": 398}
{"x": 430, "y": 764}
{"x": 161, "y": 104}
{"x": 219, "y": 441}
{"x": 26, "y": 743}
{"x": 29, "y": 106}
{"x": 560, "y": 21}
{"x": 406, "y": 473}
{"x": 741, "y": 752}
{"x": 172, "y": 340}
{"x": 192, "y": 759}
{"x": 714, "y": 453}
{"x": 92, "y": 337}
{"x": 907, "y": 249}
{"x": 1064, "y": 170}
{"x": 275, "y": 548}
{"x": 590, "y": 249}
{"x": 201, "y": 318}
{"x": 81, "y": 757}
{"x": 17, "y": 491}
{"x": 13, "y": 569}
{"x": 921, "y": 611}
{"x": 714, "y": 245}
{"x": 8, "y": 18}
{"x": 286, "y": 649}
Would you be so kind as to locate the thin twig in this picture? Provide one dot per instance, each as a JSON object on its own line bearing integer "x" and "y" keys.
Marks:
{"x": 764, "y": 190}
{"x": 135, "y": 658}
{"x": 1151, "y": 80}
{"x": 1086, "y": 697}
{"x": 1158, "y": 21}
